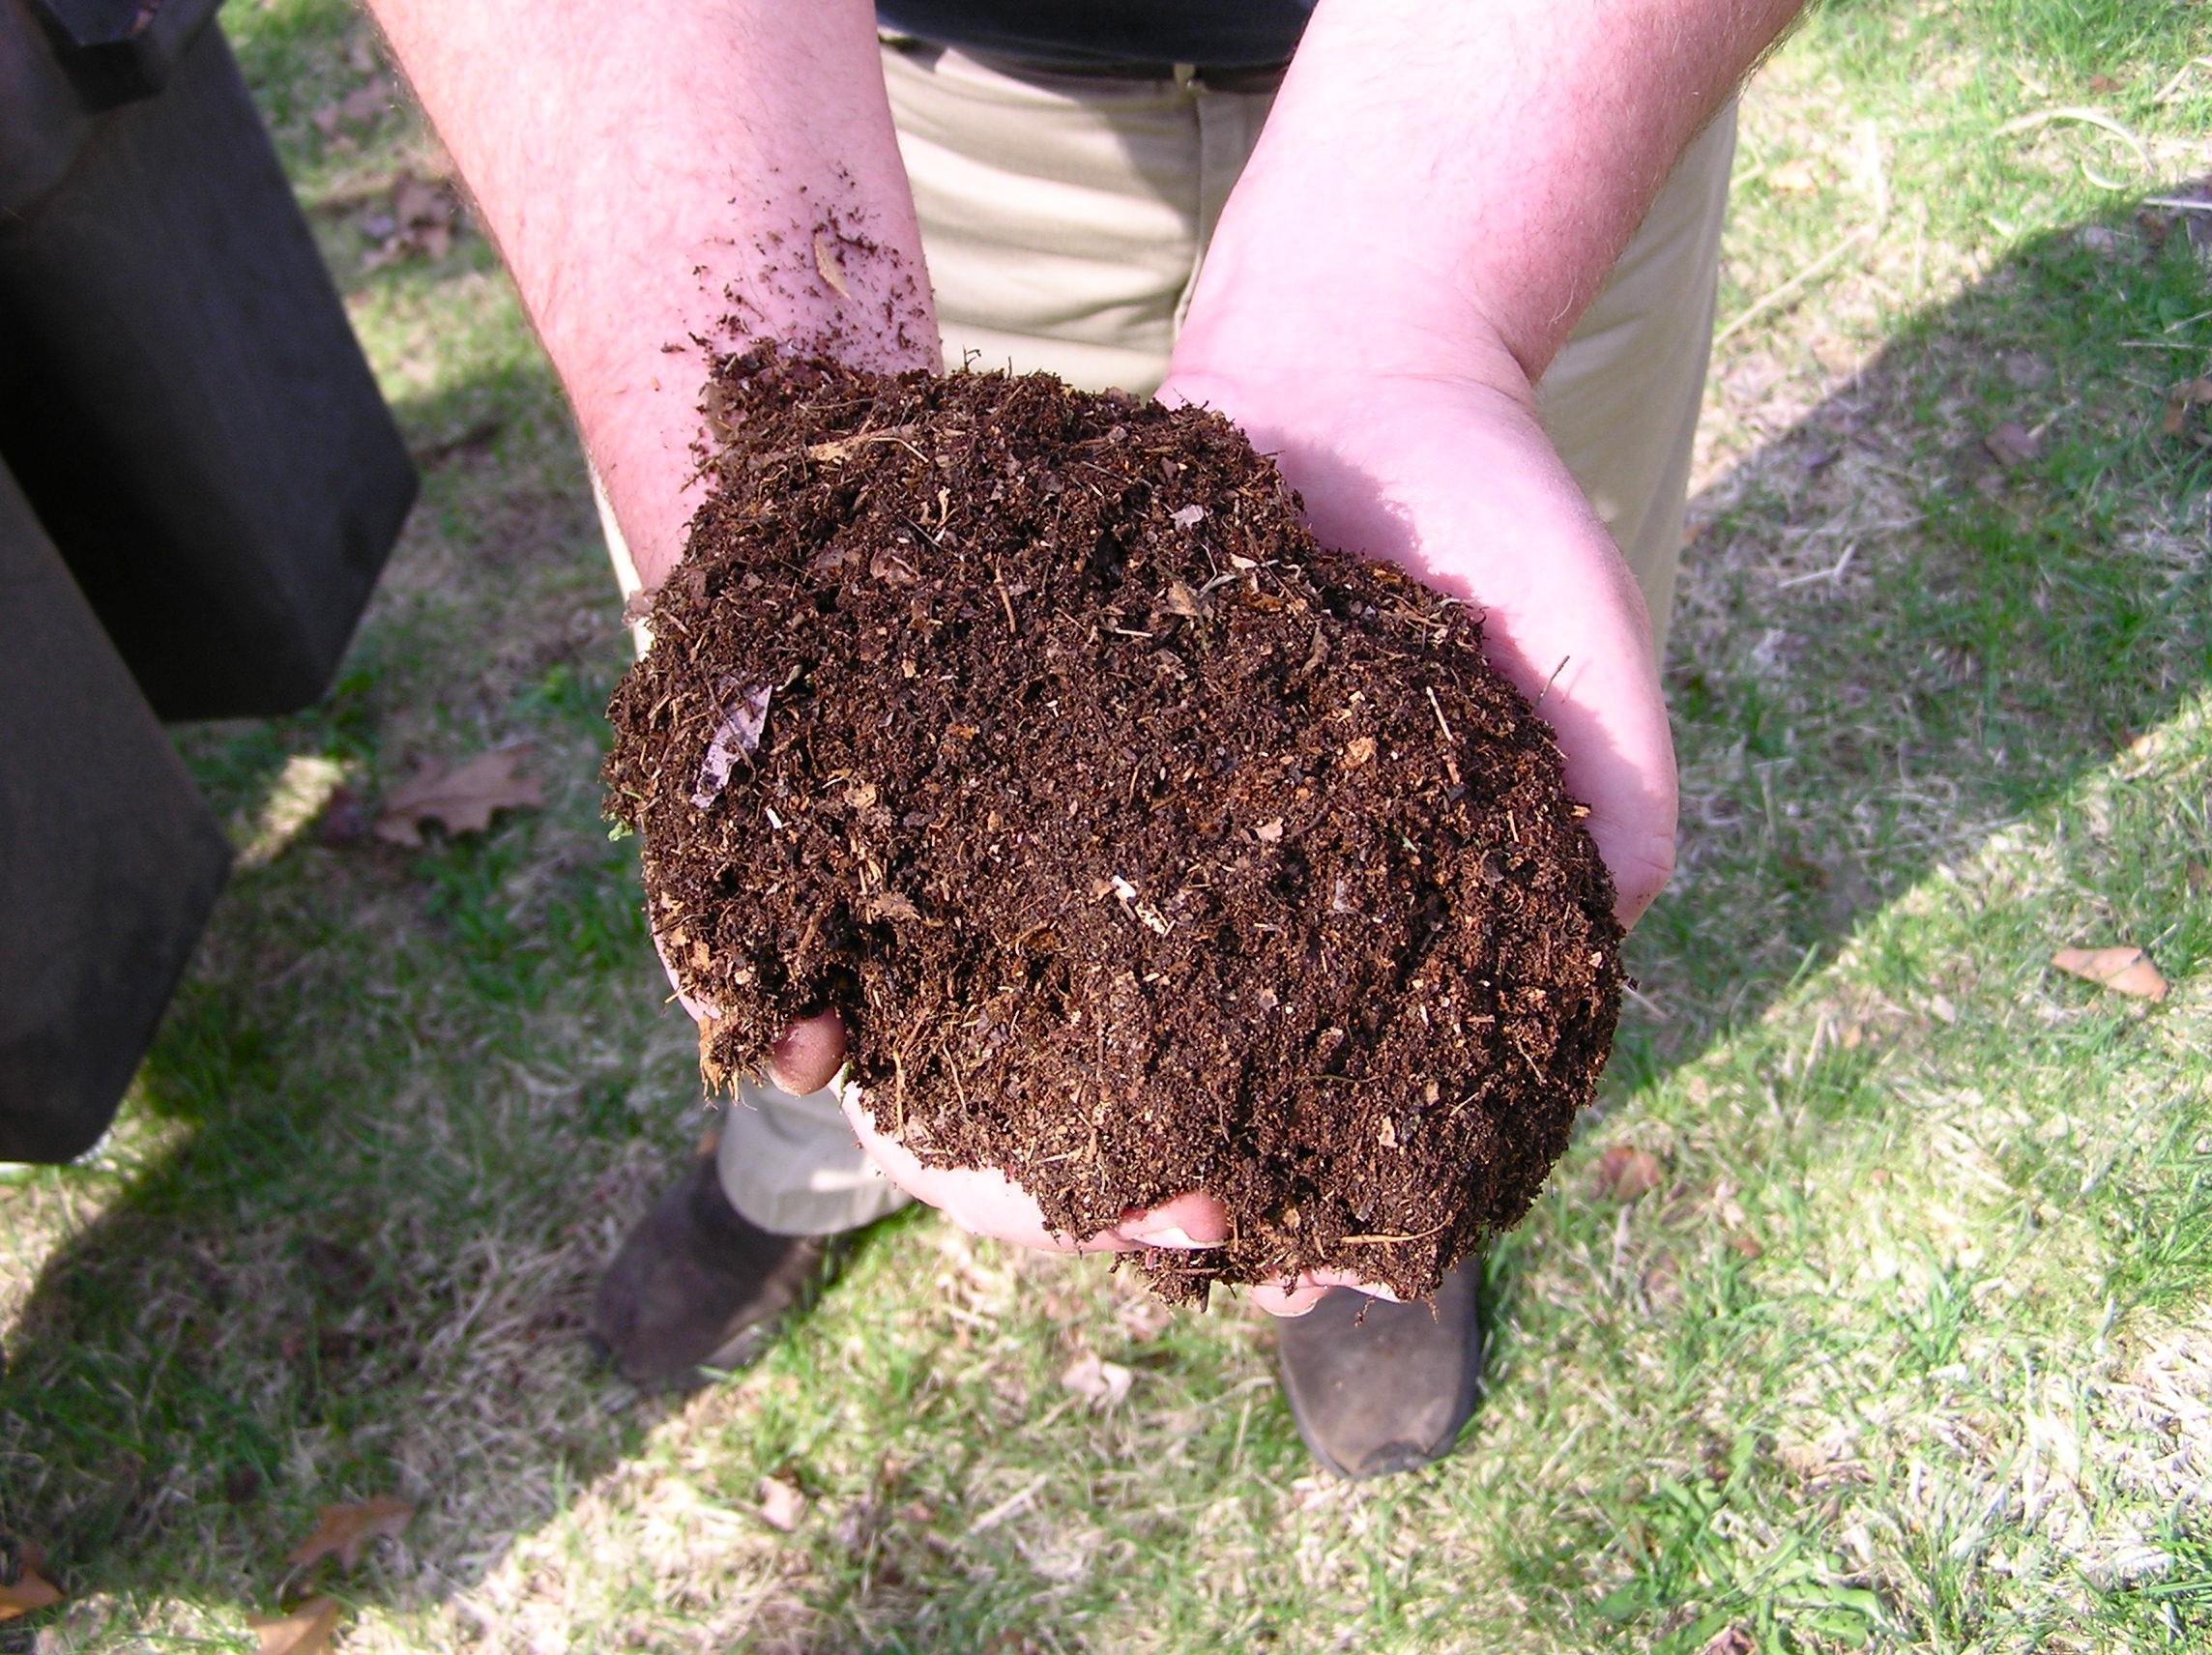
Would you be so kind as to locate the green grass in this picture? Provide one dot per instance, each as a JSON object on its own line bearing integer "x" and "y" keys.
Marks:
{"x": 1911, "y": 1351}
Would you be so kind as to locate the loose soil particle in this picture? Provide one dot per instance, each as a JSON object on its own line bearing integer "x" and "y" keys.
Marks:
{"x": 1143, "y": 844}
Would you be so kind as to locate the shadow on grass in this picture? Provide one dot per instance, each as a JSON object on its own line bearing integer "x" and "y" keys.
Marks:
{"x": 397, "y": 1119}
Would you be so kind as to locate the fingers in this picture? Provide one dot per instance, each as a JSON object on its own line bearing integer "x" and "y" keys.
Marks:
{"x": 807, "y": 1056}
{"x": 1295, "y": 1298}
{"x": 1191, "y": 1220}
{"x": 981, "y": 1201}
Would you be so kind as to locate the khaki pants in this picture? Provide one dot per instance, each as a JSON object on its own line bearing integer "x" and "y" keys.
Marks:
{"x": 1065, "y": 217}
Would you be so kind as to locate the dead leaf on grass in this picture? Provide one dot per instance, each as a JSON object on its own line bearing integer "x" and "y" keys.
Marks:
{"x": 1662, "y": 1282}
{"x": 421, "y": 219}
{"x": 782, "y": 1505}
{"x": 306, "y": 1631}
{"x": 461, "y": 797}
{"x": 1625, "y": 1174}
{"x": 1096, "y": 1381}
{"x": 1794, "y": 176}
{"x": 2011, "y": 445}
{"x": 2179, "y": 399}
{"x": 1731, "y": 1640}
{"x": 344, "y": 1531}
{"x": 29, "y": 1590}
{"x": 2122, "y": 969}
{"x": 1144, "y": 1319}
{"x": 361, "y": 106}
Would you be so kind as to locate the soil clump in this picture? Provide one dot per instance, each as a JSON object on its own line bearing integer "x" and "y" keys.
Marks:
{"x": 1143, "y": 844}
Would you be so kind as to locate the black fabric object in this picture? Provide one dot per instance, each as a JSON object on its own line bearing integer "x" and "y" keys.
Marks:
{"x": 184, "y": 402}
{"x": 109, "y": 861}
{"x": 116, "y": 50}
{"x": 1106, "y": 34}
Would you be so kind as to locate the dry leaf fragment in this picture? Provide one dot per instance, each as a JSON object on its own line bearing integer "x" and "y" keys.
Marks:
{"x": 743, "y": 716}
{"x": 344, "y": 1531}
{"x": 1098, "y": 1382}
{"x": 1357, "y": 751}
{"x": 830, "y": 271}
{"x": 2188, "y": 393}
{"x": 782, "y": 1505}
{"x": 2011, "y": 445}
{"x": 462, "y": 798}
{"x": 306, "y": 1631}
{"x": 1181, "y": 601}
{"x": 1187, "y": 516}
{"x": 1625, "y": 1174}
{"x": 29, "y": 1590}
{"x": 369, "y": 100}
{"x": 1792, "y": 176}
{"x": 2123, "y": 970}
{"x": 1269, "y": 832}
{"x": 1144, "y": 1319}
{"x": 892, "y": 567}
{"x": 1731, "y": 1640}
{"x": 888, "y": 905}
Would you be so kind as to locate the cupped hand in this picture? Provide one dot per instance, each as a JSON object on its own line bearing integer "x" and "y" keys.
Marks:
{"x": 984, "y": 1202}
{"x": 1452, "y": 478}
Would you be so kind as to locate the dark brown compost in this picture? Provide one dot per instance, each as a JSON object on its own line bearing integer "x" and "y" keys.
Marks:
{"x": 1143, "y": 844}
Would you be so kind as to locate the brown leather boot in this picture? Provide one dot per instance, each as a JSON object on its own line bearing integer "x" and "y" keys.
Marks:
{"x": 1377, "y": 1388}
{"x": 697, "y": 1285}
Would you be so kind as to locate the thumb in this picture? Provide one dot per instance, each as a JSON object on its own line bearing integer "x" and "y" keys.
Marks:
{"x": 807, "y": 1056}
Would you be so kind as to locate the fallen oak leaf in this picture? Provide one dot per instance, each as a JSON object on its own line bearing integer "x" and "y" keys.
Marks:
{"x": 1096, "y": 1381}
{"x": 29, "y": 1590}
{"x": 1625, "y": 1174}
{"x": 22, "y": 1588}
{"x": 306, "y": 1631}
{"x": 461, "y": 797}
{"x": 1796, "y": 177}
{"x": 367, "y": 101}
{"x": 345, "y": 1530}
{"x": 2188, "y": 393}
{"x": 2122, "y": 969}
{"x": 782, "y": 1505}
{"x": 2011, "y": 445}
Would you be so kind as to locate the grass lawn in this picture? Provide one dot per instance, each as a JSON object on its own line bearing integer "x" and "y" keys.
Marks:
{"x": 1909, "y": 1349}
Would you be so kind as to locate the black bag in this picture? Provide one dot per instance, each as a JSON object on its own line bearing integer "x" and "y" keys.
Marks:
{"x": 181, "y": 395}
{"x": 108, "y": 860}
{"x": 210, "y": 483}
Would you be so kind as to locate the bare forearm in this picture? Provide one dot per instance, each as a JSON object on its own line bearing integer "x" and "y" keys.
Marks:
{"x": 653, "y": 168}
{"x": 1438, "y": 181}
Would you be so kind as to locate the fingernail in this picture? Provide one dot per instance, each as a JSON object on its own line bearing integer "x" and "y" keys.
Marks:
{"x": 1163, "y": 1235}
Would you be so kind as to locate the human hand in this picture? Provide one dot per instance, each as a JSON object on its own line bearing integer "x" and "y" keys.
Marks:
{"x": 983, "y": 1202}
{"x": 1452, "y": 478}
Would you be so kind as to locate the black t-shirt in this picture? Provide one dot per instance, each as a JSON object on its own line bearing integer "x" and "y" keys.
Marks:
{"x": 1213, "y": 34}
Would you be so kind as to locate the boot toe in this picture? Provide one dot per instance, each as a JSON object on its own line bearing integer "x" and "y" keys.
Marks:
{"x": 1377, "y": 1387}
{"x": 696, "y": 1288}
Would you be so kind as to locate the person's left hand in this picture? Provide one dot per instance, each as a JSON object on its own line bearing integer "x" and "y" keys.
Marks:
{"x": 984, "y": 1202}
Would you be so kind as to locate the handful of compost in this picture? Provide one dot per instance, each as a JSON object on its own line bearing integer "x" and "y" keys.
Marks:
{"x": 1142, "y": 844}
